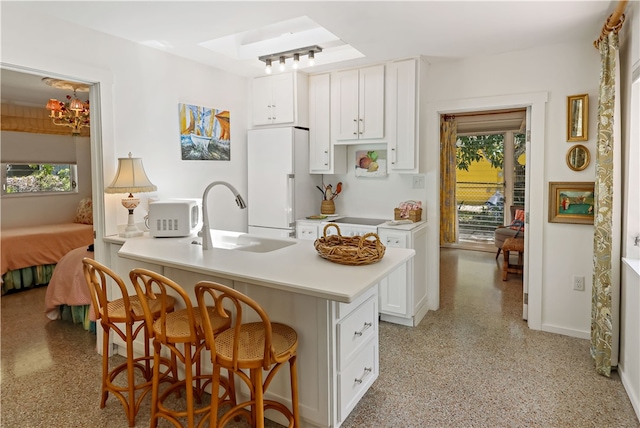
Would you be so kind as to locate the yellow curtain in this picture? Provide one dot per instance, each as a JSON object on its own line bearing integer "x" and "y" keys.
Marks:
{"x": 448, "y": 206}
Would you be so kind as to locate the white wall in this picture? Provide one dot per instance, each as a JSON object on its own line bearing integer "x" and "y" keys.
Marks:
{"x": 371, "y": 197}
{"x": 41, "y": 148}
{"x": 559, "y": 70}
{"x": 140, "y": 92}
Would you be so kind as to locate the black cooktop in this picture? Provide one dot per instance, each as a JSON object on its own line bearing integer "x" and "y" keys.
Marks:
{"x": 362, "y": 221}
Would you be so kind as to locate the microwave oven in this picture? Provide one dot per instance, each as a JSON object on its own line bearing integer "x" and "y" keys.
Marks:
{"x": 174, "y": 217}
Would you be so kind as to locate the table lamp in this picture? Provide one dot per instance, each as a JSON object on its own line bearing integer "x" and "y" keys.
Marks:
{"x": 130, "y": 178}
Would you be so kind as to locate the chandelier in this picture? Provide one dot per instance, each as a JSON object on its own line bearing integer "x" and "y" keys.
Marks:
{"x": 72, "y": 112}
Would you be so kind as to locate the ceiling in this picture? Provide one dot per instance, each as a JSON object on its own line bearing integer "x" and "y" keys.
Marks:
{"x": 379, "y": 30}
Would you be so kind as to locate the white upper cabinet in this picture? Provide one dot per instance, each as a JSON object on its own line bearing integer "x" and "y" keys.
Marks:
{"x": 324, "y": 158}
{"x": 402, "y": 129}
{"x": 280, "y": 99}
{"x": 357, "y": 104}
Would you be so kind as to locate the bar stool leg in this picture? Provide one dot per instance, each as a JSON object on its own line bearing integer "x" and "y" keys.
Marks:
{"x": 105, "y": 365}
{"x": 505, "y": 265}
{"x": 293, "y": 366}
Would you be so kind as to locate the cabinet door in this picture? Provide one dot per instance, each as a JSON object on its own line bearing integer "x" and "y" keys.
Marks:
{"x": 371, "y": 103}
{"x": 402, "y": 141}
{"x": 319, "y": 126}
{"x": 344, "y": 105}
{"x": 393, "y": 292}
{"x": 282, "y": 101}
{"x": 394, "y": 289}
{"x": 262, "y": 97}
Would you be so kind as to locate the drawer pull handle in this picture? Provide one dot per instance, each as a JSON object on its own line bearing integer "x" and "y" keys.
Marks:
{"x": 367, "y": 370}
{"x": 366, "y": 326}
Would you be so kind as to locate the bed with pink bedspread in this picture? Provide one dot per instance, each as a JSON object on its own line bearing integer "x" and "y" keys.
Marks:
{"x": 68, "y": 295}
{"x": 29, "y": 254}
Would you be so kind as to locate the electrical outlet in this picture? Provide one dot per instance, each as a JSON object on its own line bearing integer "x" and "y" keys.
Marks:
{"x": 418, "y": 181}
{"x": 578, "y": 283}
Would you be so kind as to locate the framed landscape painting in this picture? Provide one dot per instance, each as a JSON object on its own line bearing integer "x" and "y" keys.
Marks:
{"x": 571, "y": 202}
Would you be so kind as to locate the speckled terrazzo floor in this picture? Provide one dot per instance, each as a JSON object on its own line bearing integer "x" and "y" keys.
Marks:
{"x": 473, "y": 363}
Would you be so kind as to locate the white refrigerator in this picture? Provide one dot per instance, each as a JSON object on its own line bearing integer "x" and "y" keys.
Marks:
{"x": 280, "y": 188}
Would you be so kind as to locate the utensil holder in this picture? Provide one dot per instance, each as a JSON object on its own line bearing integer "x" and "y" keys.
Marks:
{"x": 328, "y": 207}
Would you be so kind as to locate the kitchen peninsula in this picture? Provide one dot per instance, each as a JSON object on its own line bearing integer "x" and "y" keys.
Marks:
{"x": 334, "y": 308}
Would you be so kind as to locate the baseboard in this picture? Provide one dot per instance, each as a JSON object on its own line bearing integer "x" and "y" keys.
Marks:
{"x": 580, "y": 334}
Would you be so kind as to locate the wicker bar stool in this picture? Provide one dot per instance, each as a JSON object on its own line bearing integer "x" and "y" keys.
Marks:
{"x": 180, "y": 332}
{"x": 112, "y": 314}
{"x": 254, "y": 346}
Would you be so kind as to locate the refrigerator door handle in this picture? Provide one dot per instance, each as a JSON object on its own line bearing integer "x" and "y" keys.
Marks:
{"x": 290, "y": 191}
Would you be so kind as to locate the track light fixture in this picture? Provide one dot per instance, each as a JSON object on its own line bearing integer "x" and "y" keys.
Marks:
{"x": 281, "y": 57}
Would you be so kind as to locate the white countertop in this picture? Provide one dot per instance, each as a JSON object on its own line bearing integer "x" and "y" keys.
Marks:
{"x": 296, "y": 268}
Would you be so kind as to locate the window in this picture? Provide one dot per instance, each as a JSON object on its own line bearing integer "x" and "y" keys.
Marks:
{"x": 38, "y": 178}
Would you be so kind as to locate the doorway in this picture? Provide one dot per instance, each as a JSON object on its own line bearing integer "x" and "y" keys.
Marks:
{"x": 490, "y": 174}
{"x": 535, "y": 103}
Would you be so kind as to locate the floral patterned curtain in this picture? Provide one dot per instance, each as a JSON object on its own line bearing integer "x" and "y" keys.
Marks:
{"x": 604, "y": 277}
{"x": 448, "y": 206}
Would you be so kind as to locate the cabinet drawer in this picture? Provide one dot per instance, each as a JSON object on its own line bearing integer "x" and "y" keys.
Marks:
{"x": 344, "y": 309}
{"x": 395, "y": 241}
{"x": 355, "y": 330}
{"x": 309, "y": 233}
{"x": 356, "y": 378}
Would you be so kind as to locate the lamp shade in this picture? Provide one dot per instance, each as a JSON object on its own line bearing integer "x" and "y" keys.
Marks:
{"x": 76, "y": 105}
{"x": 53, "y": 104}
{"x": 130, "y": 177}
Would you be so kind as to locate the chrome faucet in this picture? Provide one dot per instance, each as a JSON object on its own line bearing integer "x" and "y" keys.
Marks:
{"x": 206, "y": 231}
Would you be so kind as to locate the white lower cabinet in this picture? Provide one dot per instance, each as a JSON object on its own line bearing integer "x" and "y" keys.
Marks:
{"x": 403, "y": 294}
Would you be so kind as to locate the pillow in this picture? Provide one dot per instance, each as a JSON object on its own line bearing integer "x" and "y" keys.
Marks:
{"x": 518, "y": 220}
{"x": 84, "y": 212}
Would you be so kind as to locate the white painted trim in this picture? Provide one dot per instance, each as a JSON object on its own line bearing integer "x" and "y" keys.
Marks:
{"x": 628, "y": 386}
{"x": 535, "y": 195}
{"x": 580, "y": 334}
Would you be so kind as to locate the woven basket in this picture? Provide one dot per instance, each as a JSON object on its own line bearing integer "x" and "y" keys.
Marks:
{"x": 354, "y": 250}
{"x": 413, "y": 215}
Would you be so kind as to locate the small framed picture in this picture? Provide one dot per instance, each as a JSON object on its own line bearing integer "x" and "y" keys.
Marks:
{"x": 571, "y": 202}
{"x": 578, "y": 117}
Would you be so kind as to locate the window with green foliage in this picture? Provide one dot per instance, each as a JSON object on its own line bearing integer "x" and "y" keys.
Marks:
{"x": 38, "y": 178}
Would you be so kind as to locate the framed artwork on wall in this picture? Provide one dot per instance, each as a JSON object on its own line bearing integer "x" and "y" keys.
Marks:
{"x": 571, "y": 202}
{"x": 204, "y": 133}
{"x": 371, "y": 163}
{"x": 578, "y": 117}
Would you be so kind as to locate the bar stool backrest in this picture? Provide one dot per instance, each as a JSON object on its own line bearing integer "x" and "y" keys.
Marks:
{"x": 97, "y": 277}
{"x": 156, "y": 286}
{"x": 245, "y": 309}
